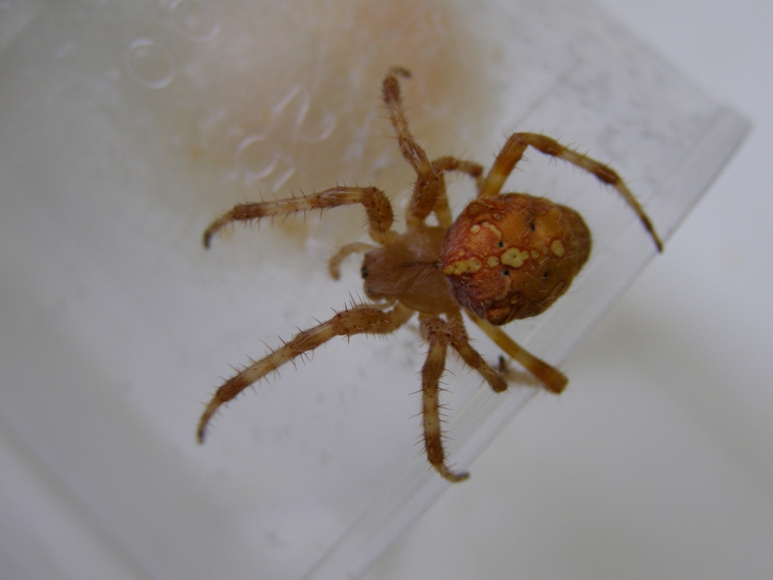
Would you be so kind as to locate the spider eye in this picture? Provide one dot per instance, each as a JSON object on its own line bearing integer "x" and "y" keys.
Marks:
{"x": 364, "y": 272}
{"x": 506, "y": 272}
{"x": 500, "y": 244}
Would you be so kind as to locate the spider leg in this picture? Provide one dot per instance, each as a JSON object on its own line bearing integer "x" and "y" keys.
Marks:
{"x": 514, "y": 148}
{"x": 361, "y": 319}
{"x": 441, "y": 208}
{"x": 376, "y": 205}
{"x": 334, "y": 265}
{"x": 474, "y": 170}
{"x": 436, "y": 332}
{"x": 461, "y": 344}
{"x": 429, "y": 191}
{"x": 552, "y": 379}
{"x": 443, "y": 164}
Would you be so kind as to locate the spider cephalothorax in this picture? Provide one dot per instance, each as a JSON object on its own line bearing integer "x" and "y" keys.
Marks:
{"x": 506, "y": 257}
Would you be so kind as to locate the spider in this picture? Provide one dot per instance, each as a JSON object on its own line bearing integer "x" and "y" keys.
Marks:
{"x": 507, "y": 256}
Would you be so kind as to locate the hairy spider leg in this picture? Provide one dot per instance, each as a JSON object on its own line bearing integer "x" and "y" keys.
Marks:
{"x": 474, "y": 170}
{"x": 429, "y": 193}
{"x": 436, "y": 333}
{"x": 551, "y": 378}
{"x": 374, "y": 201}
{"x": 360, "y": 319}
{"x": 514, "y": 148}
{"x": 440, "y": 334}
{"x": 460, "y": 341}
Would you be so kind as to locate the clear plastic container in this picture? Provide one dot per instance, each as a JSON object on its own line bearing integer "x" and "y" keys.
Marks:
{"x": 128, "y": 126}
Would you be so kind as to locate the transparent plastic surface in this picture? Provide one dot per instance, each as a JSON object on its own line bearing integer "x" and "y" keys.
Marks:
{"x": 127, "y": 127}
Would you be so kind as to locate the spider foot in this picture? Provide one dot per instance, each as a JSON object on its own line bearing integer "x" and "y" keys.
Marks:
{"x": 453, "y": 477}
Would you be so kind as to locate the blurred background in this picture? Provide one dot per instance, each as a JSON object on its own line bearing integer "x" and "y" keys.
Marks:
{"x": 114, "y": 324}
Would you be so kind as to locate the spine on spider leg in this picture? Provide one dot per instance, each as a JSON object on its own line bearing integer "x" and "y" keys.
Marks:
{"x": 236, "y": 384}
{"x": 303, "y": 342}
{"x": 436, "y": 332}
{"x": 357, "y": 320}
{"x": 247, "y": 212}
{"x": 609, "y": 176}
{"x": 374, "y": 201}
{"x": 412, "y": 151}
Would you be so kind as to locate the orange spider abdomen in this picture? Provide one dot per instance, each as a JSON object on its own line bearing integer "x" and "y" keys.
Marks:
{"x": 511, "y": 256}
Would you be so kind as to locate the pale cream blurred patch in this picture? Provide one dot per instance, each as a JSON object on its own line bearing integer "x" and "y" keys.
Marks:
{"x": 267, "y": 99}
